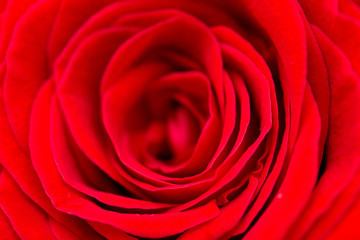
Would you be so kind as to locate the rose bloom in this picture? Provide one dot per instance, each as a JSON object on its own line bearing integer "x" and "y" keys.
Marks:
{"x": 179, "y": 119}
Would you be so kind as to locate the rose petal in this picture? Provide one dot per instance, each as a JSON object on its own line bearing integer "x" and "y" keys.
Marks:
{"x": 14, "y": 10}
{"x": 70, "y": 201}
{"x": 350, "y": 8}
{"x": 70, "y": 17}
{"x": 83, "y": 97}
{"x": 231, "y": 38}
{"x": 110, "y": 232}
{"x": 81, "y": 174}
{"x": 227, "y": 219}
{"x": 26, "y": 66}
{"x": 19, "y": 208}
{"x": 342, "y": 30}
{"x": 60, "y": 232}
{"x": 19, "y": 166}
{"x": 6, "y": 229}
{"x": 299, "y": 179}
{"x": 193, "y": 32}
{"x": 341, "y": 155}
{"x": 347, "y": 228}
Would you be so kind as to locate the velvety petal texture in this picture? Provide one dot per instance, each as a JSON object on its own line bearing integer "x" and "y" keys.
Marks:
{"x": 156, "y": 119}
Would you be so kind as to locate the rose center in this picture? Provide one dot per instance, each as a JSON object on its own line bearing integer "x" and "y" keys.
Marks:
{"x": 170, "y": 130}
{"x": 171, "y": 137}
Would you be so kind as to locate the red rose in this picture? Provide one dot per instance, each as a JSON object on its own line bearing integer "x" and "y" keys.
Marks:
{"x": 182, "y": 119}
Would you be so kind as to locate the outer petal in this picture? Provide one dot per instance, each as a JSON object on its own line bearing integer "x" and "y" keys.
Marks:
{"x": 6, "y": 229}
{"x": 27, "y": 66}
{"x": 342, "y": 153}
{"x": 343, "y": 30}
{"x": 21, "y": 209}
{"x": 348, "y": 228}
